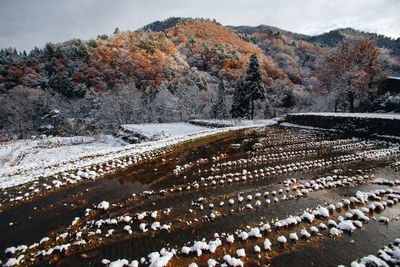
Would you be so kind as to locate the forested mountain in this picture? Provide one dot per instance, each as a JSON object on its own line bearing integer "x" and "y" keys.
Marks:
{"x": 329, "y": 39}
{"x": 170, "y": 71}
{"x": 334, "y": 37}
{"x": 266, "y": 29}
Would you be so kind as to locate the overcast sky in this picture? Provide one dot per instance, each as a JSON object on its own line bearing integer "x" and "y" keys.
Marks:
{"x": 28, "y": 23}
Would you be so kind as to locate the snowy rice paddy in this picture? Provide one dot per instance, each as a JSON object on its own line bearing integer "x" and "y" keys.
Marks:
{"x": 26, "y": 160}
{"x": 244, "y": 197}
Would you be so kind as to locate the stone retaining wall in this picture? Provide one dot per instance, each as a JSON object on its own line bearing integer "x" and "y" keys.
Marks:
{"x": 364, "y": 125}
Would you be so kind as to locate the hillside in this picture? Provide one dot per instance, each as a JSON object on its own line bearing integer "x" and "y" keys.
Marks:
{"x": 145, "y": 57}
{"x": 329, "y": 39}
{"x": 167, "y": 71}
{"x": 266, "y": 29}
{"x": 333, "y": 37}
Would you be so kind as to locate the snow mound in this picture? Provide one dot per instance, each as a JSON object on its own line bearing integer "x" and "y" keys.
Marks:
{"x": 104, "y": 205}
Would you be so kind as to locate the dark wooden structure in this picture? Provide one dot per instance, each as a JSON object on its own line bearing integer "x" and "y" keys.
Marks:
{"x": 390, "y": 85}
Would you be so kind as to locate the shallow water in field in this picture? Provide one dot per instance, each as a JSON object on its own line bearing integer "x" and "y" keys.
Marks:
{"x": 51, "y": 214}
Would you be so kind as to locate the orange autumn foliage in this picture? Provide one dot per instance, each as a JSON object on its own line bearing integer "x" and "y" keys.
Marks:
{"x": 150, "y": 57}
{"x": 222, "y": 47}
{"x": 139, "y": 54}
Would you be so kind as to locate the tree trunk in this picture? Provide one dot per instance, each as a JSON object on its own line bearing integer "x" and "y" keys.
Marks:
{"x": 351, "y": 100}
{"x": 336, "y": 104}
{"x": 252, "y": 109}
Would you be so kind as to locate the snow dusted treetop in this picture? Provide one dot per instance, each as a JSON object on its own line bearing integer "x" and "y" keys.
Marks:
{"x": 253, "y": 81}
{"x": 219, "y": 109}
{"x": 240, "y": 100}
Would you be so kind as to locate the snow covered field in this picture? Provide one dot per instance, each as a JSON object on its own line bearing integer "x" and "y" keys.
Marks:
{"x": 22, "y": 160}
{"x": 25, "y": 160}
{"x": 163, "y": 130}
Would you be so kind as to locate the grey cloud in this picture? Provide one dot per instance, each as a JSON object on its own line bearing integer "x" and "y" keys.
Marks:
{"x": 26, "y": 23}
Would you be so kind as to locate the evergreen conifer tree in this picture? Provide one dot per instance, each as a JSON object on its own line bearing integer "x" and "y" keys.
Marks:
{"x": 289, "y": 98}
{"x": 253, "y": 81}
{"x": 240, "y": 100}
{"x": 219, "y": 109}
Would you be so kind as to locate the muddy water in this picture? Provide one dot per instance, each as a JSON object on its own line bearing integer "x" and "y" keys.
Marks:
{"x": 51, "y": 214}
{"x": 36, "y": 219}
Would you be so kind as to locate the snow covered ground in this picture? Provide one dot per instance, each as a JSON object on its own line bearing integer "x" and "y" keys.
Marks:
{"x": 22, "y": 160}
{"x": 22, "y": 152}
{"x": 26, "y": 160}
{"x": 155, "y": 131}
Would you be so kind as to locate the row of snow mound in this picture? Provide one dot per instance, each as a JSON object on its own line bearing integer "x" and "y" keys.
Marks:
{"x": 45, "y": 163}
{"x": 232, "y": 123}
{"x": 146, "y": 132}
{"x": 387, "y": 256}
{"x": 364, "y": 124}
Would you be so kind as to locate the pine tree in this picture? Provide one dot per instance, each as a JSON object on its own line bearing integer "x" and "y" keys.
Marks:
{"x": 219, "y": 109}
{"x": 61, "y": 83}
{"x": 253, "y": 81}
{"x": 240, "y": 100}
{"x": 289, "y": 99}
